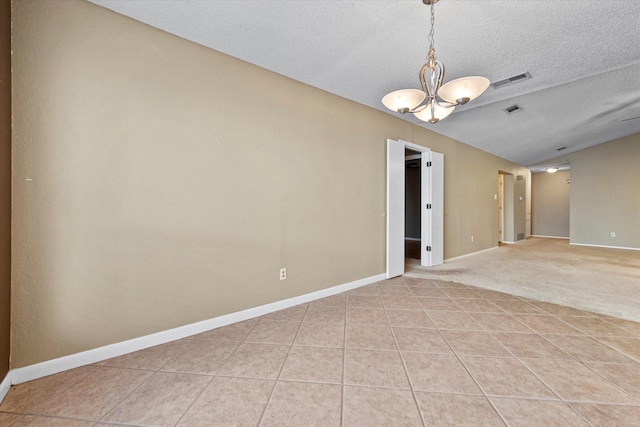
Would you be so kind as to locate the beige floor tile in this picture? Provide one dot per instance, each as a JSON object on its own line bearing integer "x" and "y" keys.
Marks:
{"x": 506, "y": 377}
{"x": 338, "y": 300}
{"x": 370, "y": 337}
{"x": 626, "y": 376}
{"x": 447, "y": 410}
{"x": 477, "y": 305}
{"x": 256, "y": 361}
{"x": 592, "y": 325}
{"x": 438, "y": 373}
{"x": 273, "y": 332}
{"x": 95, "y": 394}
{"x": 628, "y": 346}
{"x": 474, "y": 343}
{"x": 453, "y": 320}
{"x": 608, "y": 415}
{"x": 201, "y": 357}
{"x": 374, "y": 368}
{"x": 530, "y": 345}
{"x": 394, "y": 290}
{"x": 432, "y": 292}
{"x": 461, "y": 293}
{"x": 326, "y": 314}
{"x": 234, "y": 332}
{"x": 395, "y": 281}
{"x": 366, "y": 316}
{"x": 409, "y": 319}
{"x": 369, "y": 290}
{"x": 438, "y": 304}
{"x": 7, "y": 419}
{"x": 518, "y": 307}
{"x": 544, "y": 324}
{"x": 537, "y": 413}
{"x": 496, "y": 296}
{"x": 152, "y": 358}
{"x": 559, "y": 310}
{"x": 379, "y": 407}
{"x": 315, "y": 364}
{"x": 25, "y": 397}
{"x": 304, "y": 404}
{"x": 573, "y": 381}
{"x": 419, "y": 281}
{"x": 229, "y": 402}
{"x": 587, "y": 349}
{"x": 320, "y": 334}
{"x": 629, "y": 328}
{"x": 160, "y": 401}
{"x": 37, "y": 421}
{"x": 422, "y": 340}
{"x": 291, "y": 314}
{"x": 392, "y": 302}
{"x": 499, "y": 322}
{"x": 364, "y": 301}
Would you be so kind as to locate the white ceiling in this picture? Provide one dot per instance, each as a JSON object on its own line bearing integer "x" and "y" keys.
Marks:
{"x": 584, "y": 58}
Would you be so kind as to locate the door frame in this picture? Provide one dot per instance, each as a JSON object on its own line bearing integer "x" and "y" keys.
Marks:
{"x": 395, "y": 206}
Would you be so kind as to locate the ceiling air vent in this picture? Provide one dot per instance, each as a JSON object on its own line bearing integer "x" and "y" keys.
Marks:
{"x": 511, "y": 80}
{"x": 513, "y": 109}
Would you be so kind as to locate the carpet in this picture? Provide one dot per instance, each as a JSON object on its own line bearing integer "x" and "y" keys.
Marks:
{"x": 599, "y": 280}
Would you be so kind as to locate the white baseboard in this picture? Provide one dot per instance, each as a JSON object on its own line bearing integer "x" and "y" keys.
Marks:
{"x": 471, "y": 254}
{"x": 5, "y": 385}
{"x": 54, "y": 366}
{"x": 605, "y": 246}
{"x": 550, "y": 237}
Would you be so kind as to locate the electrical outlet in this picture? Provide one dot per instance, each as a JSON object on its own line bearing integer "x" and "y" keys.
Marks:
{"x": 613, "y": 234}
{"x": 472, "y": 238}
{"x": 283, "y": 273}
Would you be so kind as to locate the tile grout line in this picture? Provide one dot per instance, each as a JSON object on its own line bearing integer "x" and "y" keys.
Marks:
{"x": 277, "y": 379}
{"x": 565, "y": 401}
{"x": 484, "y": 394}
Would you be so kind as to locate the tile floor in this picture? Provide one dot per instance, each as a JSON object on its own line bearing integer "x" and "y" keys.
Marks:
{"x": 399, "y": 352}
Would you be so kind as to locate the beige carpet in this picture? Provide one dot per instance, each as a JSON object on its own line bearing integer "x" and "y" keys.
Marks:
{"x": 599, "y": 280}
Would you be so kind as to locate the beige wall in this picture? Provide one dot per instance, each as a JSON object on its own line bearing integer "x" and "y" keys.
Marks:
{"x": 159, "y": 183}
{"x": 550, "y": 204}
{"x": 5, "y": 184}
{"x": 605, "y": 194}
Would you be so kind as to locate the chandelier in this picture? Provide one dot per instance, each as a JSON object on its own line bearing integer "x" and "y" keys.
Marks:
{"x": 441, "y": 99}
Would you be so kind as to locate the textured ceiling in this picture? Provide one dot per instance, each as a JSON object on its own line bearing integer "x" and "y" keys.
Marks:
{"x": 584, "y": 58}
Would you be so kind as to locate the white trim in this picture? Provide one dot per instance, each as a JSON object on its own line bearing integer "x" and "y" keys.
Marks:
{"x": 549, "y": 237}
{"x": 471, "y": 254}
{"x": 5, "y": 385}
{"x": 605, "y": 246}
{"x": 508, "y": 243}
{"x": 54, "y": 366}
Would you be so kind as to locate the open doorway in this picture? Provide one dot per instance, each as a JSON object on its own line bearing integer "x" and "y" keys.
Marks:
{"x": 412, "y": 202}
{"x": 506, "y": 208}
{"x": 431, "y": 206}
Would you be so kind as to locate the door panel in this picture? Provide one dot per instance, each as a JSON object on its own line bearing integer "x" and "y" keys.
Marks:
{"x": 395, "y": 208}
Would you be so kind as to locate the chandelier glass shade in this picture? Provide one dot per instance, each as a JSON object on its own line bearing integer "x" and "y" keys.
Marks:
{"x": 441, "y": 99}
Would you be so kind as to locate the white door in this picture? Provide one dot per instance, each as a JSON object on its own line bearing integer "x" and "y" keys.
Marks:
{"x": 395, "y": 208}
{"x": 436, "y": 255}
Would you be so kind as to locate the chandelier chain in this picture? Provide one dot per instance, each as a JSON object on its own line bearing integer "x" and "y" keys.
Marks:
{"x": 433, "y": 20}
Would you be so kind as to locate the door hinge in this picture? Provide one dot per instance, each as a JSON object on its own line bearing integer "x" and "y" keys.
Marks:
{"x": 429, "y": 164}
{"x": 428, "y": 248}
{"x": 428, "y": 205}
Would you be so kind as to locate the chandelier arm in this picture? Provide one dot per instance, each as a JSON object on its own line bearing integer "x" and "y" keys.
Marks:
{"x": 446, "y": 104}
